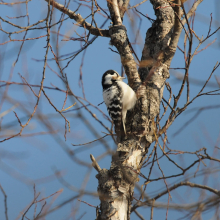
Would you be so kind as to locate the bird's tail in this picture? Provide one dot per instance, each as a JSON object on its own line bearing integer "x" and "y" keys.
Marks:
{"x": 119, "y": 129}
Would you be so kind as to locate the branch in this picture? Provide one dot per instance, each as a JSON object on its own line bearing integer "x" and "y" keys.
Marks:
{"x": 94, "y": 163}
{"x": 119, "y": 39}
{"x": 176, "y": 33}
{"x": 178, "y": 28}
{"x": 187, "y": 183}
{"x": 117, "y": 17}
{"x": 207, "y": 204}
{"x": 5, "y": 202}
{"x": 79, "y": 19}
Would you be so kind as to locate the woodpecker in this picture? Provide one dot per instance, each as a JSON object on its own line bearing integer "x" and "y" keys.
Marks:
{"x": 119, "y": 98}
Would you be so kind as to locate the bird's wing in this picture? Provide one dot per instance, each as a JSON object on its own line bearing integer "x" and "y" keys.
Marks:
{"x": 115, "y": 111}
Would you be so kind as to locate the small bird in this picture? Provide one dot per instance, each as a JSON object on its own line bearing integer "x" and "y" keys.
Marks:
{"x": 119, "y": 98}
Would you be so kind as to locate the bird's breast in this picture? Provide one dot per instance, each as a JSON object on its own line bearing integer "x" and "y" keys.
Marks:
{"x": 110, "y": 95}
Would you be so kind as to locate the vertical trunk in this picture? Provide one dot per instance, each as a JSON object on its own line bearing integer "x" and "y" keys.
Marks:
{"x": 116, "y": 185}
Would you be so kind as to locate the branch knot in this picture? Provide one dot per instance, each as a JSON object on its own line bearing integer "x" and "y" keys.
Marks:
{"x": 118, "y": 34}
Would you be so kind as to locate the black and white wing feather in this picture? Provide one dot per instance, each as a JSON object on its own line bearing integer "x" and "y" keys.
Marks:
{"x": 112, "y": 98}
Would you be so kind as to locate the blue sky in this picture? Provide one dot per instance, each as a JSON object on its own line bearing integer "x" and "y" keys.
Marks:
{"x": 28, "y": 160}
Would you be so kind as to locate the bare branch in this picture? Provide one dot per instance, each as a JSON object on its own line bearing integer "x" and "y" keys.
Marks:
{"x": 5, "y": 202}
{"x": 187, "y": 183}
{"x": 78, "y": 18}
{"x": 94, "y": 163}
{"x": 117, "y": 17}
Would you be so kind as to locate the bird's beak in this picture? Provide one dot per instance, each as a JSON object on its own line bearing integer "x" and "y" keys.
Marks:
{"x": 118, "y": 78}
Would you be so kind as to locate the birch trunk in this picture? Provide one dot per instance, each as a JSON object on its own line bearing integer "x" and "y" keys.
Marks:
{"x": 116, "y": 185}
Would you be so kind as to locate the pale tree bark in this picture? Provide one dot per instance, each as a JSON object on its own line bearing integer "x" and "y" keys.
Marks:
{"x": 116, "y": 185}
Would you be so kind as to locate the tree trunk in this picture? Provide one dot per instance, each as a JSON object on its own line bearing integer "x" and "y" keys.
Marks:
{"x": 116, "y": 185}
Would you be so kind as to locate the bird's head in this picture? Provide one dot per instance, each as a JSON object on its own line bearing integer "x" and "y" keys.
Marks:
{"x": 110, "y": 76}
